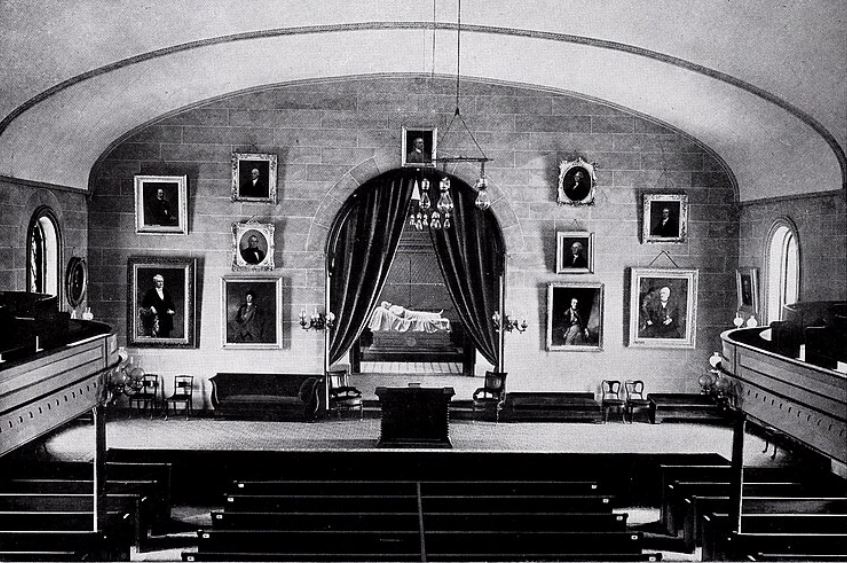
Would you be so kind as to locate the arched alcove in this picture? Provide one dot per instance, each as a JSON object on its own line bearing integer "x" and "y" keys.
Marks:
{"x": 361, "y": 250}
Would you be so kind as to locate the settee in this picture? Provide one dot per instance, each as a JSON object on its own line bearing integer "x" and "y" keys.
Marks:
{"x": 543, "y": 406}
{"x": 267, "y": 396}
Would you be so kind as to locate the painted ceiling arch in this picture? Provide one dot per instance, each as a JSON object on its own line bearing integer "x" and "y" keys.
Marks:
{"x": 760, "y": 85}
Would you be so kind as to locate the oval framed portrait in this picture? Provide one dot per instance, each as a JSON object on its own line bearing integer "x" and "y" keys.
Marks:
{"x": 76, "y": 281}
{"x": 576, "y": 182}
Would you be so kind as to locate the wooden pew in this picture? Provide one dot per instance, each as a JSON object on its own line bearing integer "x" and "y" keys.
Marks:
{"x": 716, "y": 528}
{"x": 288, "y": 487}
{"x": 137, "y": 506}
{"x": 766, "y": 556}
{"x": 150, "y": 489}
{"x": 34, "y": 545}
{"x": 115, "y": 471}
{"x": 673, "y": 501}
{"x": 526, "y": 521}
{"x": 495, "y": 545}
{"x": 506, "y": 488}
{"x": 228, "y": 520}
{"x": 517, "y": 503}
{"x": 738, "y": 546}
{"x": 321, "y": 503}
{"x": 697, "y": 505}
{"x": 308, "y": 487}
{"x": 311, "y": 545}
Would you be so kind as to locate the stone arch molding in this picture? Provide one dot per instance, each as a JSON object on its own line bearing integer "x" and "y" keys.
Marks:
{"x": 373, "y": 167}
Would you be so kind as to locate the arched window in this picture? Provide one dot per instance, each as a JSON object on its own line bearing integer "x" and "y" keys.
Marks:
{"x": 782, "y": 259}
{"x": 43, "y": 253}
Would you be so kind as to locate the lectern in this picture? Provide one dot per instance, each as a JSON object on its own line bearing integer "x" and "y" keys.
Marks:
{"x": 414, "y": 417}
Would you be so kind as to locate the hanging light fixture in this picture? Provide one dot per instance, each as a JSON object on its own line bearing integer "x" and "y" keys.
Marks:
{"x": 445, "y": 202}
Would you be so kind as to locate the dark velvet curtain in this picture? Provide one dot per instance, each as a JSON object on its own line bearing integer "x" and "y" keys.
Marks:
{"x": 362, "y": 245}
{"x": 470, "y": 254}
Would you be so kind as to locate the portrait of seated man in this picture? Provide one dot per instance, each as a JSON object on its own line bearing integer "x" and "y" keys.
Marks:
{"x": 660, "y": 314}
{"x": 160, "y": 207}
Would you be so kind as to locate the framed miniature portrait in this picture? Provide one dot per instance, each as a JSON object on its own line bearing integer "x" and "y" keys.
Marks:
{"x": 747, "y": 288}
{"x": 161, "y": 205}
{"x": 419, "y": 146}
{"x": 575, "y": 317}
{"x": 76, "y": 281}
{"x": 254, "y": 177}
{"x": 252, "y": 247}
{"x": 251, "y": 313}
{"x": 161, "y": 302}
{"x": 577, "y": 180}
{"x": 665, "y": 217}
{"x": 663, "y": 308}
{"x": 574, "y": 252}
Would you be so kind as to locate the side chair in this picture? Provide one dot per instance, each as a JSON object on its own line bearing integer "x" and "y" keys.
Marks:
{"x": 610, "y": 398}
{"x": 634, "y": 390}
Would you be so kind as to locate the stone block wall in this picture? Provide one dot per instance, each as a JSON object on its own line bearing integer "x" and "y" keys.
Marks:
{"x": 18, "y": 203}
{"x": 331, "y": 136}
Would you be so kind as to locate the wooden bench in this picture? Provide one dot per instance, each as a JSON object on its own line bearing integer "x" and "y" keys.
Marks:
{"x": 739, "y": 545}
{"x": 306, "y": 545}
{"x": 678, "y": 491}
{"x": 682, "y": 406}
{"x": 697, "y": 505}
{"x": 146, "y": 488}
{"x": 37, "y": 545}
{"x": 322, "y": 503}
{"x": 716, "y": 528}
{"x": 115, "y": 471}
{"x": 137, "y": 506}
{"x": 539, "y": 406}
{"x": 461, "y": 520}
{"x": 287, "y": 487}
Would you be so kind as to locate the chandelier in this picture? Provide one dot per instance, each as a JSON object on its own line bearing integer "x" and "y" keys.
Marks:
{"x": 423, "y": 214}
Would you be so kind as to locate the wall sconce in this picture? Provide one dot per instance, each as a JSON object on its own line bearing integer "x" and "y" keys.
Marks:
{"x": 317, "y": 321}
{"x": 508, "y": 324}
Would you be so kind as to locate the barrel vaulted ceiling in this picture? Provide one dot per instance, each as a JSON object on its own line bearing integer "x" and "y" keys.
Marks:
{"x": 762, "y": 83}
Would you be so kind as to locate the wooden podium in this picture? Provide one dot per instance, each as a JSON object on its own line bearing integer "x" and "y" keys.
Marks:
{"x": 416, "y": 417}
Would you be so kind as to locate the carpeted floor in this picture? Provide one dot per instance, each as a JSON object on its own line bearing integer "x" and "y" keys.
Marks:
{"x": 76, "y": 442}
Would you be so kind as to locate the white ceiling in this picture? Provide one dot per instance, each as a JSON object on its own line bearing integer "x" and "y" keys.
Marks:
{"x": 761, "y": 83}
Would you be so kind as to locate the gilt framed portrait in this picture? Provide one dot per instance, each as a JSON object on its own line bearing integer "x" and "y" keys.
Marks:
{"x": 747, "y": 289}
{"x": 663, "y": 308}
{"x": 251, "y": 312}
{"x": 574, "y": 252}
{"x": 252, "y": 247}
{"x": 665, "y": 217}
{"x": 419, "y": 146}
{"x": 161, "y": 301}
{"x": 161, "y": 205}
{"x": 254, "y": 177}
{"x": 577, "y": 181}
{"x": 575, "y": 317}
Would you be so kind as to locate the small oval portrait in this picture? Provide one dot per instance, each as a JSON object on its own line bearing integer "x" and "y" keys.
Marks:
{"x": 253, "y": 247}
{"x": 576, "y": 182}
